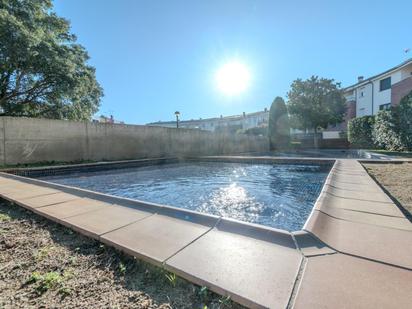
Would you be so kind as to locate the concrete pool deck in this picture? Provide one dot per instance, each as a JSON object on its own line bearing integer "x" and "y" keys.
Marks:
{"x": 355, "y": 250}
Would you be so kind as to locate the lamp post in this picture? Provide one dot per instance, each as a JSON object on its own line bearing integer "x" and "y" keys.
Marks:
{"x": 177, "y": 119}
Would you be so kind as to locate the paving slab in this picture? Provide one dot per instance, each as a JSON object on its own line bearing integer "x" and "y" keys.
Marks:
{"x": 378, "y": 243}
{"x": 348, "y": 163}
{"x": 350, "y": 173}
{"x": 368, "y": 218}
{"x": 361, "y": 178}
{"x": 104, "y": 220}
{"x": 356, "y": 205}
{"x": 155, "y": 238}
{"x": 255, "y": 272}
{"x": 378, "y": 196}
{"x": 46, "y": 200}
{"x": 366, "y": 180}
{"x": 71, "y": 208}
{"x": 27, "y": 192}
{"x": 5, "y": 180}
{"x": 16, "y": 186}
{"x": 341, "y": 281}
{"x": 7, "y": 184}
{"x": 310, "y": 245}
{"x": 353, "y": 187}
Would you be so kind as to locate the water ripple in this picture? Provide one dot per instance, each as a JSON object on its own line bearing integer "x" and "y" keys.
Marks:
{"x": 279, "y": 196}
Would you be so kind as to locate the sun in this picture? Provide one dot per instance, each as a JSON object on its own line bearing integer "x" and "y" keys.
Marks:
{"x": 232, "y": 78}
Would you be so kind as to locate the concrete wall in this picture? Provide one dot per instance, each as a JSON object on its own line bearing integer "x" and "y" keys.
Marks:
{"x": 31, "y": 140}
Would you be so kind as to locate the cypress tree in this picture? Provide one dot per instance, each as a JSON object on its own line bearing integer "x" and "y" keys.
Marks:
{"x": 279, "y": 128}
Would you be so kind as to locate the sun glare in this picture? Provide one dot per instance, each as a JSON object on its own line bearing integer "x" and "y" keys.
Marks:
{"x": 233, "y": 78}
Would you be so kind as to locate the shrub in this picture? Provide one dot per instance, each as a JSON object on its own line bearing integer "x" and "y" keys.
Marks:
{"x": 393, "y": 128}
{"x": 360, "y": 131}
{"x": 386, "y": 131}
{"x": 256, "y": 131}
{"x": 405, "y": 121}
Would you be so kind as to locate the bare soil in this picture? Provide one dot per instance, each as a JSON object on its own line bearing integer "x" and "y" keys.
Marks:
{"x": 45, "y": 265}
{"x": 396, "y": 179}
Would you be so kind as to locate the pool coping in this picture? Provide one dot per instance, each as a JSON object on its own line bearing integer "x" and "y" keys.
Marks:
{"x": 321, "y": 235}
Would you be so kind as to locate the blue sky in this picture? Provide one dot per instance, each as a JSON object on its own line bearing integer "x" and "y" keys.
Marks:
{"x": 155, "y": 57}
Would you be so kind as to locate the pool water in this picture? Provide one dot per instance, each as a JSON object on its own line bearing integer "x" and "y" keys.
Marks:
{"x": 279, "y": 196}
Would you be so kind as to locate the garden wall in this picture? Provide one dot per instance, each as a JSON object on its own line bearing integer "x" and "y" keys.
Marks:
{"x": 31, "y": 140}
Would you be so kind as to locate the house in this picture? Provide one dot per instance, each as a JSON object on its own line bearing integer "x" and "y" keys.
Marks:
{"x": 229, "y": 123}
{"x": 369, "y": 96}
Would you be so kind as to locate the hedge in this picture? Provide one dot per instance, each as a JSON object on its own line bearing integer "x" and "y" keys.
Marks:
{"x": 386, "y": 131}
{"x": 389, "y": 129}
{"x": 393, "y": 128}
{"x": 405, "y": 121}
{"x": 360, "y": 131}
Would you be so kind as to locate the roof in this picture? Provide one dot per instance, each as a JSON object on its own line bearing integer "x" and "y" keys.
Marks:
{"x": 366, "y": 81}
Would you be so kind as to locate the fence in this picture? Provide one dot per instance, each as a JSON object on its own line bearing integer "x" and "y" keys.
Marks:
{"x": 32, "y": 140}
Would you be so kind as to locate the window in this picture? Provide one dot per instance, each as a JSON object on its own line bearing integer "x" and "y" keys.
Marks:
{"x": 385, "y": 84}
{"x": 385, "y": 106}
{"x": 361, "y": 95}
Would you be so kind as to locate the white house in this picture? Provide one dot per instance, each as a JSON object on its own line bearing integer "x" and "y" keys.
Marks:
{"x": 369, "y": 96}
{"x": 380, "y": 91}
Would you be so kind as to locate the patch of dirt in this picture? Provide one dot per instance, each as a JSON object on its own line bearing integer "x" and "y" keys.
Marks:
{"x": 396, "y": 179}
{"x": 45, "y": 265}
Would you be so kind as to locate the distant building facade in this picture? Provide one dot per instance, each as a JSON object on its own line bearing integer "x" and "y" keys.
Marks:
{"x": 229, "y": 123}
{"x": 110, "y": 120}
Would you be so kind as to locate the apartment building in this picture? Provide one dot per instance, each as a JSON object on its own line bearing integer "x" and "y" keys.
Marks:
{"x": 369, "y": 96}
{"x": 229, "y": 123}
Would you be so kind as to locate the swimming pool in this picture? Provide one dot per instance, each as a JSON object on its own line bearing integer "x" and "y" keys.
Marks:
{"x": 279, "y": 196}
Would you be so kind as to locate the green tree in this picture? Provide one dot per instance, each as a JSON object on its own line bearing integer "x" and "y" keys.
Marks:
{"x": 43, "y": 71}
{"x": 279, "y": 129}
{"x": 315, "y": 103}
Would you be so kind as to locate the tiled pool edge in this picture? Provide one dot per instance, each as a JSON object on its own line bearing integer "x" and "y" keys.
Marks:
{"x": 227, "y": 226}
{"x": 306, "y": 251}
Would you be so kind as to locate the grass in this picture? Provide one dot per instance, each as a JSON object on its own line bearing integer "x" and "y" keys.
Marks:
{"x": 45, "y": 282}
{"x": 4, "y": 217}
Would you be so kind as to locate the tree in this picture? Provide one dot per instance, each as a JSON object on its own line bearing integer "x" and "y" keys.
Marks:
{"x": 315, "y": 103}
{"x": 43, "y": 71}
{"x": 279, "y": 129}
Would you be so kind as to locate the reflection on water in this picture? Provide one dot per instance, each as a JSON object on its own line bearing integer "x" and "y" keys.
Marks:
{"x": 279, "y": 196}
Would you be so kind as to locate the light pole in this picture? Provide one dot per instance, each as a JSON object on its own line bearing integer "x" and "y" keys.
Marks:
{"x": 177, "y": 119}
